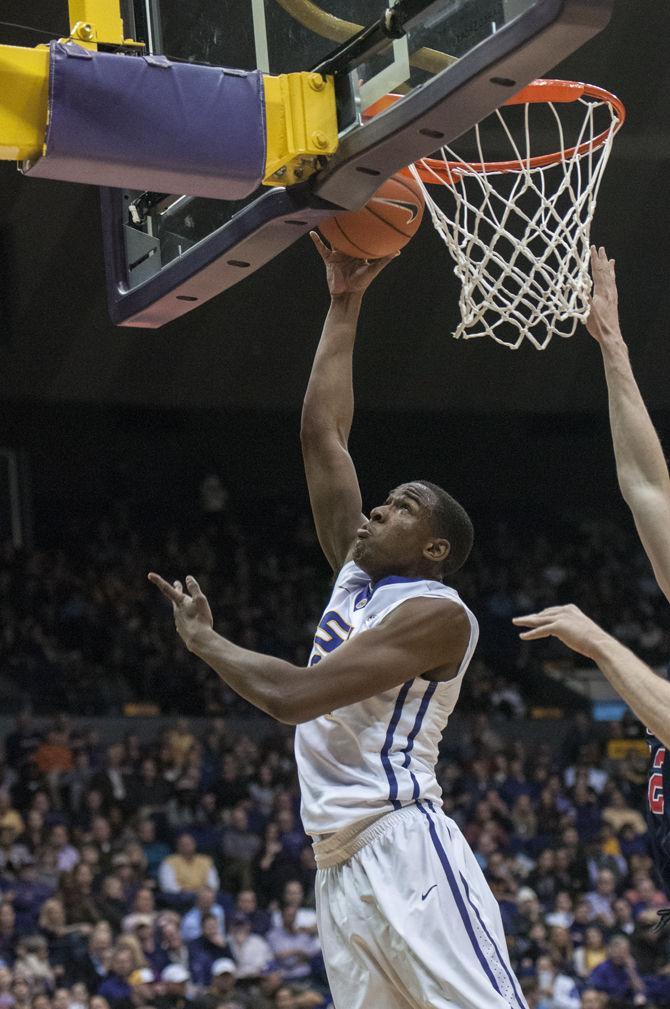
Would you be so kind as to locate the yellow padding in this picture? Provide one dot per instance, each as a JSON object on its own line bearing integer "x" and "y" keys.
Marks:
{"x": 24, "y": 95}
{"x": 301, "y": 125}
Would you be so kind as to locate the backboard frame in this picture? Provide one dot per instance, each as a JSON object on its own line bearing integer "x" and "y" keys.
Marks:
{"x": 434, "y": 114}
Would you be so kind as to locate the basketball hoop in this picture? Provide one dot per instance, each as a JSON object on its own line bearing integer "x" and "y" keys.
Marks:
{"x": 518, "y": 229}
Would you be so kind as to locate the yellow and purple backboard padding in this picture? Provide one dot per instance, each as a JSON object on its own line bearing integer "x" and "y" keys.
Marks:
{"x": 453, "y": 61}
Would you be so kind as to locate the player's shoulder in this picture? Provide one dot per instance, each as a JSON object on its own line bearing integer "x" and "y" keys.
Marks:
{"x": 350, "y": 577}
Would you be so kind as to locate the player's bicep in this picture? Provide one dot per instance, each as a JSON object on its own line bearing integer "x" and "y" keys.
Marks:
{"x": 418, "y": 637}
{"x": 651, "y": 511}
{"x": 334, "y": 495}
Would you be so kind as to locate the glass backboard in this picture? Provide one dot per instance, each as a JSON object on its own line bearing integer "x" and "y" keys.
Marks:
{"x": 439, "y": 39}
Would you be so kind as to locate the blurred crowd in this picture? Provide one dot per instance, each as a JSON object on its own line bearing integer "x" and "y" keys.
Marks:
{"x": 175, "y": 873}
{"x": 81, "y": 629}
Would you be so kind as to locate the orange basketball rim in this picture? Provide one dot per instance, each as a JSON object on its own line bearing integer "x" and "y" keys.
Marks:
{"x": 432, "y": 171}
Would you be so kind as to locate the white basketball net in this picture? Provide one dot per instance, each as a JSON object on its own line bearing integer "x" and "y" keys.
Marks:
{"x": 520, "y": 238}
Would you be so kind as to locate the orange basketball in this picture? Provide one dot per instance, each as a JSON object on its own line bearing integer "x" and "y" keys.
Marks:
{"x": 383, "y": 226}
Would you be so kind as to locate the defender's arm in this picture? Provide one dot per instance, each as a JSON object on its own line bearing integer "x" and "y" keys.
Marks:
{"x": 419, "y": 636}
{"x": 641, "y": 467}
{"x": 646, "y": 693}
{"x": 328, "y": 408}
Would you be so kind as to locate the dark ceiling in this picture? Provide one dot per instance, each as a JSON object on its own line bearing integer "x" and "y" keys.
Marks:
{"x": 251, "y": 347}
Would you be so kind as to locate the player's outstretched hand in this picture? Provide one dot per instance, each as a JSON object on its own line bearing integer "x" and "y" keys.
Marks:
{"x": 192, "y": 614}
{"x": 344, "y": 274}
{"x": 568, "y": 624}
{"x": 603, "y": 320}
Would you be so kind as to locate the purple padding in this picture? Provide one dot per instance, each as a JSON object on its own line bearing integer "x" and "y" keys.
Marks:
{"x": 142, "y": 122}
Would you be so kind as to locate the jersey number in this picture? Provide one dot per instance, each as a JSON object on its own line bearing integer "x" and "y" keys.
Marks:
{"x": 655, "y": 790}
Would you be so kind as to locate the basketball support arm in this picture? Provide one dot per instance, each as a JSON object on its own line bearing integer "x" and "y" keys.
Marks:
{"x": 350, "y": 166}
{"x": 299, "y": 108}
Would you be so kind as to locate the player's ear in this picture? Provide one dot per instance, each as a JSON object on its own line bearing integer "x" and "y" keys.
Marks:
{"x": 437, "y": 550}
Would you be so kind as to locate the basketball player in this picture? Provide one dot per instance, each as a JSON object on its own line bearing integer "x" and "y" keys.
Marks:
{"x": 405, "y": 917}
{"x": 645, "y": 485}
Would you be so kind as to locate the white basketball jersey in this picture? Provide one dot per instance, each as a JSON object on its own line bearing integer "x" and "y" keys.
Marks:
{"x": 378, "y": 754}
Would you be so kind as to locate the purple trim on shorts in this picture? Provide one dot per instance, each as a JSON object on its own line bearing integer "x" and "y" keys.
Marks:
{"x": 393, "y": 724}
{"x": 504, "y": 966}
{"x": 418, "y": 721}
{"x": 458, "y": 899}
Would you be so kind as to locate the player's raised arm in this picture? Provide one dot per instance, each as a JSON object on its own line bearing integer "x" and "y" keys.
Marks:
{"x": 328, "y": 407}
{"x": 647, "y": 693}
{"x": 640, "y": 462}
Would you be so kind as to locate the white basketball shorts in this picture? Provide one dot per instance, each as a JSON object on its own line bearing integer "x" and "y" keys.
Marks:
{"x": 407, "y": 921}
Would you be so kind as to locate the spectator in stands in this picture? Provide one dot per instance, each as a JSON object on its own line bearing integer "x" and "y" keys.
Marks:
{"x": 601, "y": 899}
{"x": 154, "y": 851}
{"x": 20, "y": 990}
{"x": 143, "y": 910}
{"x": 147, "y": 793}
{"x": 247, "y": 904}
{"x": 649, "y": 897}
{"x": 623, "y": 916}
{"x": 543, "y": 880}
{"x": 292, "y": 948}
{"x": 9, "y": 817}
{"x": 34, "y": 835}
{"x": 8, "y": 934}
{"x": 251, "y": 952}
{"x": 32, "y": 962}
{"x": 210, "y": 946}
{"x": 94, "y": 964}
{"x": 101, "y": 839}
{"x": 558, "y": 990}
{"x": 53, "y": 756}
{"x": 175, "y": 980}
{"x": 594, "y": 951}
{"x": 29, "y": 896}
{"x": 12, "y": 852}
{"x": 223, "y": 986}
{"x": 143, "y": 984}
{"x": 239, "y": 847}
{"x": 593, "y": 999}
{"x": 618, "y": 814}
{"x": 293, "y": 896}
{"x": 67, "y": 855}
{"x": 561, "y": 913}
{"x": 113, "y": 781}
{"x": 98, "y": 1002}
{"x": 78, "y": 898}
{"x": 191, "y": 924}
{"x": 617, "y": 976}
{"x": 171, "y": 948}
{"x": 187, "y": 871}
{"x": 116, "y": 987}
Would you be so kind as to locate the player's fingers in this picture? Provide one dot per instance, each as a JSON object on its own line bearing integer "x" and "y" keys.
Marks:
{"x": 538, "y": 632}
{"x": 320, "y": 245}
{"x": 529, "y": 620}
{"x": 169, "y": 591}
{"x": 193, "y": 587}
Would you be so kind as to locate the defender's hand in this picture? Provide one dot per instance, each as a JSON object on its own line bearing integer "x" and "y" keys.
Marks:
{"x": 192, "y": 614}
{"x": 346, "y": 275}
{"x": 568, "y": 624}
{"x": 603, "y": 321}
